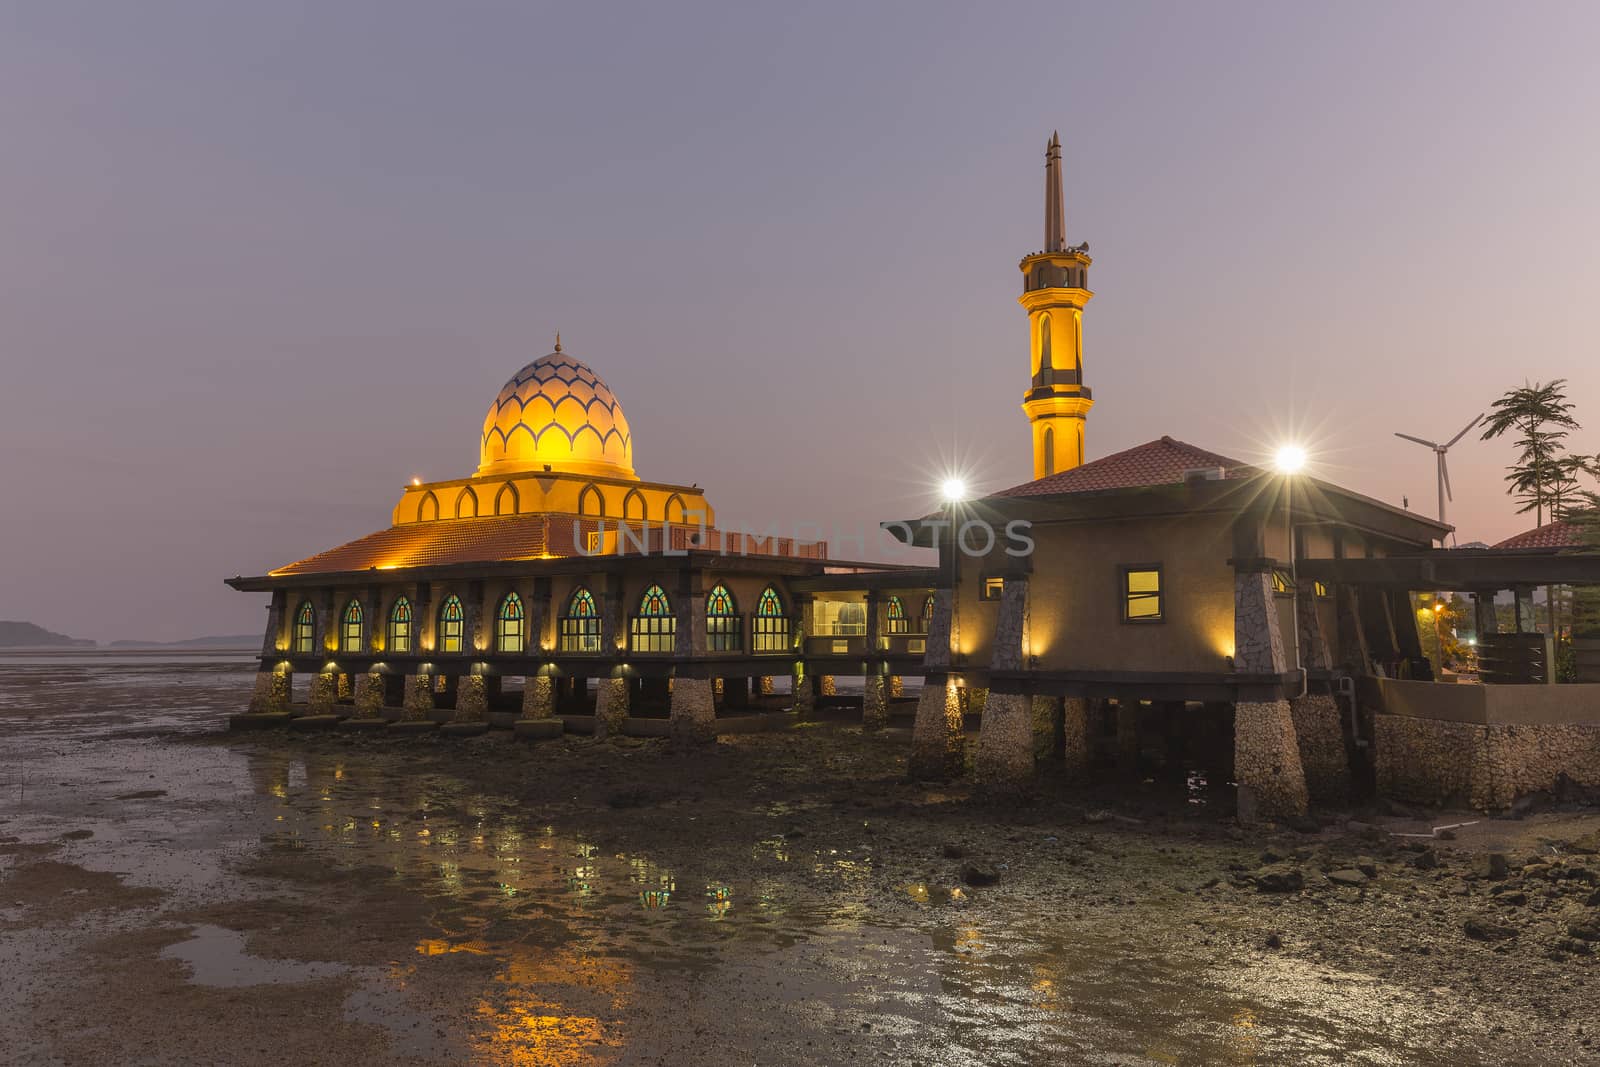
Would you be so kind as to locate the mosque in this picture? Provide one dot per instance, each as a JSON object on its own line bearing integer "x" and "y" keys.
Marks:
{"x": 1171, "y": 604}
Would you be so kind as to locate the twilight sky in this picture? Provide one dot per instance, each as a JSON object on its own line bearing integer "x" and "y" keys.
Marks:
{"x": 261, "y": 263}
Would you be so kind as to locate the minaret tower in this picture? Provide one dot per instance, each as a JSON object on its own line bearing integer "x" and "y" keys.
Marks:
{"x": 1055, "y": 287}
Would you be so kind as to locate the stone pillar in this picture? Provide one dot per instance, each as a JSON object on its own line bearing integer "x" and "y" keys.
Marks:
{"x": 1266, "y": 754}
{"x": 1005, "y": 733}
{"x": 539, "y": 697}
{"x": 938, "y": 742}
{"x": 610, "y": 706}
{"x": 419, "y": 697}
{"x": 937, "y": 655}
{"x": 1483, "y": 611}
{"x": 1527, "y": 621}
{"x": 694, "y": 716}
{"x": 897, "y": 686}
{"x": 1046, "y": 711}
{"x": 1319, "y": 732}
{"x": 324, "y": 694}
{"x": 1313, "y": 645}
{"x": 271, "y": 694}
{"x": 369, "y": 695}
{"x": 1266, "y": 761}
{"x": 875, "y": 701}
{"x": 346, "y": 690}
{"x": 766, "y": 685}
{"x": 804, "y": 691}
{"x": 1075, "y": 734}
{"x": 472, "y": 699}
{"x": 826, "y": 686}
{"x": 1354, "y": 655}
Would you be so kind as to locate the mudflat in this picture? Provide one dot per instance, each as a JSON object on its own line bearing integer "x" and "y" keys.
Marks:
{"x": 170, "y": 893}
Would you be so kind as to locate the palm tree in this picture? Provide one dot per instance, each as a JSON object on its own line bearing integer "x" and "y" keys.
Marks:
{"x": 1541, "y": 415}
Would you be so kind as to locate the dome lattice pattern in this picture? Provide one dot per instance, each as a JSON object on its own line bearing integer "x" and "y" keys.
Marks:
{"x": 556, "y": 412}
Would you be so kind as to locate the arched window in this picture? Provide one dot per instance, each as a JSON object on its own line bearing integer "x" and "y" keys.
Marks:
{"x": 505, "y": 501}
{"x": 771, "y": 626}
{"x": 1049, "y": 450}
{"x": 452, "y": 625}
{"x": 428, "y": 510}
{"x": 927, "y": 614}
{"x": 305, "y": 629}
{"x": 724, "y": 628}
{"x": 580, "y": 626}
{"x": 350, "y": 634}
{"x": 467, "y": 504}
{"x": 898, "y": 623}
{"x": 676, "y": 510}
{"x": 400, "y": 626}
{"x": 654, "y": 629}
{"x": 633, "y": 506}
{"x": 509, "y": 635}
{"x": 1044, "y": 343}
{"x": 590, "y": 502}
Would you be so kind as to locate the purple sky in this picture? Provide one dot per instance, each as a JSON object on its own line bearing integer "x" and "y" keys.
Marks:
{"x": 260, "y": 263}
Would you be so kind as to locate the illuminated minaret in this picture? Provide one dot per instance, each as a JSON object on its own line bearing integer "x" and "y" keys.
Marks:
{"x": 1055, "y": 287}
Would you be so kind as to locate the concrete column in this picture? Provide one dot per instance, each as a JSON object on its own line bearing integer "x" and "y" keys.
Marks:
{"x": 1483, "y": 611}
{"x": 419, "y": 697}
{"x": 1313, "y": 645}
{"x": 804, "y": 691}
{"x": 1319, "y": 732}
{"x": 937, "y": 655}
{"x": 1005, "y": 733}
{"x": 826, "y": 686}
{"x": 271, "y": 694}
{"x": 369, "y": 695}
{"x": 539, "y": 697}
{"x": 875, "y": 701}
{"x": 897, "y": 686}
{"x": 1266, "y": 761}
{"x": 938, "y": 743}
{"x": 610, "y": 706}
{"x": 1075, "y": 734}
{"x": 694, "y": 716}
{"x": 472, "y": 699}
{"x": 324, "y": 694}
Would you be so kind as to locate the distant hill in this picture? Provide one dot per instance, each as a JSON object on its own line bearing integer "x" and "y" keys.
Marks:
{"x": 28, "y": 635}
{"x": 214, "y": 641}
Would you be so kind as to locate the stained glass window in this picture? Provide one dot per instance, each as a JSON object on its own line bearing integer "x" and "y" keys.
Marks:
{"x": 580, "y": 626}
{"x": 400, "y": 626}
{"x": 452, "y": 625}
{"x": 350, "y": 634}
{"x": 1141, "y": 588}
{"x": 509, "y": 635}
{"x": 724, "y": 628}
{"x": 927, "y": 614}
{"x": 305, "y": 629}
{"x": 654, "y": 629}
{"x": 771, "y": 625}
{"x": 898, "y": 623}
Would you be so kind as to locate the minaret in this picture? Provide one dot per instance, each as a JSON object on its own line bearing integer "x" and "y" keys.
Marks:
{"x": 1054, "y": 290}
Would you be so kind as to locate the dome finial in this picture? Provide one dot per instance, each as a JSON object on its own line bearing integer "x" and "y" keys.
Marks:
{"x": 558, "y": 340}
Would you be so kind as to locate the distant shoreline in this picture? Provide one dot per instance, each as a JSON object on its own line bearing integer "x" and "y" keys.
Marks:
{"x": 148, "y": 650}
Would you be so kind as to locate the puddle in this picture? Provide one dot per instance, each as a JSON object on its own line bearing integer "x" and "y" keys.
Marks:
{"x": 217, "y": 957}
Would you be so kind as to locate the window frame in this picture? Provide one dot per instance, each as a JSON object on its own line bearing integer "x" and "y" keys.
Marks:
{"x": 352, "y": 628}
{"x": 452, "y": 629}
{"x": 724, "y": 629}
{"x": 303, "y": 638}
{"x": 993, "y": 587}
{"x": 579, "y": 631}
{"x": 770, "y": 631}
{"x": 895, "y": 621}
{"x": 507, "y": 626}
{"x": 398, "y": 640}
{"x": 652, "y": 631}
{"x": 1127, "y": 595}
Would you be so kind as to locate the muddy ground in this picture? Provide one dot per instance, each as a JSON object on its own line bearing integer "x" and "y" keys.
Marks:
{"x": 173, "y": 894}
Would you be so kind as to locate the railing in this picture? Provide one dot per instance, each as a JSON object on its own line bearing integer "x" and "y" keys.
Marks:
{"x": 1516, "y": 659}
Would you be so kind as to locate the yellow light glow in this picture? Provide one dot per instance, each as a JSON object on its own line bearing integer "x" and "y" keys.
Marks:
{"x": 1289, "y": 459}
{"x": 415, "y": 480}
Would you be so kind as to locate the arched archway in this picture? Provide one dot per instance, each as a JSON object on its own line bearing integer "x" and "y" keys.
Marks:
{"x": 676, "y": 511}
{"x": 352, "y": 631}
{"x": 467, "y": 504}
{"x": 633, "y": 506}
{"x": 428, "y": 509}
{"x": 591, "y": 502}
{"x": 506, "y": 501}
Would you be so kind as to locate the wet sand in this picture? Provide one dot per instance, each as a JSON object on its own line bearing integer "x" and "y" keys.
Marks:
{"x": 173, "y": 894}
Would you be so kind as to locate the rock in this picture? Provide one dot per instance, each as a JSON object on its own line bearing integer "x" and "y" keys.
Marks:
{"x": 1269, "y": 856}
{"x": 977, "y": 874}
{"x": 1587, "y": 845}
{"x": 1594, "y": 899}
{"x": 1585, "y": 929}
{"x": 1446, "y": 835}
{"x": 1491, "y": 865}
{"x": 1348, "y": 876}
{"x": 1483, "y": 928}
{"x": 77, "y": 835}
{"x": 1512, "y": 900}
{"x": 1274, "y": 941}
{"x": 1367, "y": 866}
{"x": 1096, "y": 816}
{"x": 953, "y": 852}
{"x": 1279, "y": 878}
{"x": 1426, "y": 860}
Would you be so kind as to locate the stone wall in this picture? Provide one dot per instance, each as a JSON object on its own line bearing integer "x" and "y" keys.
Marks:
{"x": 694, "y": 716}
{"x": 271, "y": 693}
{"x": 938, "y": 743}
{"x": 539, "y": 697}
{"x": 1266, "y": 761}
{"x": 1432, "y": 761}
{"x": 369, "y": 694}
{"x": 610, "y": 707}
{"x": 472, "y": 699}
{"x": 1005, "y": 739}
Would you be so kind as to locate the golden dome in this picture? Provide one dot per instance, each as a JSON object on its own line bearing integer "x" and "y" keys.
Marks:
{"x": 556, "y": 413}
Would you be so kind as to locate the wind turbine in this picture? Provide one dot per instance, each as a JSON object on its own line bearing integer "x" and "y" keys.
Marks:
{"x": 1444, "y": 470}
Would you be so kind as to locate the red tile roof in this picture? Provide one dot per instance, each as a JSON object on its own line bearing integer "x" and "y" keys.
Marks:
{"x": 1558, "y": 534}
{"x": 1162, "y": 462}
{"x": 426, "y": 544}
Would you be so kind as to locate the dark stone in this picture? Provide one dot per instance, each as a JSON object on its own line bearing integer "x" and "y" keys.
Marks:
{"x": 1483, "y": 928}
{"x": 1303, "y": 824}
{"x": 1426, "y": 860}
{"x": 1587, "y": 845}
{"x": 1513, "y": 900}
{"x": 977, "y": 874}
{"x": 1279, "y": 878}
{"x": 953, "y": 852}
{"x": 1586, "y": 929}
{"x": 1367, "y": 866}
{"x": 1274, "y": 941}
{"x": 1491, "y": 865}
{"x": 77, "y": 835}
{"x": 1349, "y": 876}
